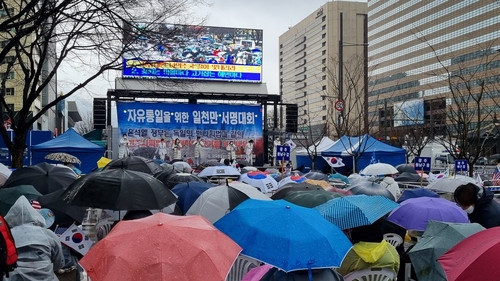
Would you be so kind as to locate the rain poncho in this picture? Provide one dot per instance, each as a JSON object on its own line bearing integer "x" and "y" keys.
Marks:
{"x": 392, "y": 186}
{"x": 39, "y": 249}
{"x": 370, "y": 255}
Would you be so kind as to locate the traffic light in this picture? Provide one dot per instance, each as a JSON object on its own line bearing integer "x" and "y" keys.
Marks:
{"x": 99, "y": 113}
{"x": 291, "y": 113}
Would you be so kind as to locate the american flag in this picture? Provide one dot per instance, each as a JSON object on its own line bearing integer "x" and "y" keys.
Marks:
{"x": 35, "y": 204}
{"x": 495, "y": 178}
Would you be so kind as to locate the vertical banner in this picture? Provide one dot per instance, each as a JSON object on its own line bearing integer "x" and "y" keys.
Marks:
{"x": 146, "y": 123}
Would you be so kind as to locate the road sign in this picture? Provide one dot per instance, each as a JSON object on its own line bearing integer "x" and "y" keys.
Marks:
{"x": 283, "y": 152}
{"x": 461, "y": 165}
{"x": 339, "y": 105}
{"x": 422, "y": 164}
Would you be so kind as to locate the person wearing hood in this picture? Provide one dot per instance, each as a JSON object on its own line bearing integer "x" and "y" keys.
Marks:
{"x": 39, "y": 249}
{"x": 390, "y": 184}
{"x": 478, "y": 203}
{"x": 369, "y": 250}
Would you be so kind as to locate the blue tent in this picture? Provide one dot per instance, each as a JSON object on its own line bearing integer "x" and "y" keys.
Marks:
{"x": 73, "y": 143}
{"x": 369, "y": 149}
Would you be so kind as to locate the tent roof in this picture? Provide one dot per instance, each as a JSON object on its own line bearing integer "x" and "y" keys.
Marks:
{"x": 347, "y": 146}
{"x": 69, "y": 141}
{"x": 322, "y": 145}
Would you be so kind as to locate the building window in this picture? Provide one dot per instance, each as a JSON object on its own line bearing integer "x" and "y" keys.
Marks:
{"x": 323, "y": 52}
{"x": 323, "y": 61}
{"x": 323, "y": 69}
{"x": 323, "y": 77}
{"x": 9, "y": 91}
{"x": 323, "y": 18}
{"x": 323, "y": 87}
{"x": 4, "y": 43}
{"x": 323, "y": 117}
{"x": 323, "y": 107}
{"x": 305, "y": 102}
{"x": 281, "y": 46}
{"x": 281, "y": 59}
{"x": 323, "y": 27}
{"x": 305, "y": 112}
{"x": 8, "y": 59}
{"x": 10, "y": 106}
{"x": 8, "y": 12}
{"x": 9, "y": 75}
{"x": 323, "y": 44}
{"x": 323, "y": 97}
{"x": 323, "y": 36}
{"x": 281, "y": 53}
{"x": 305, "y": 93}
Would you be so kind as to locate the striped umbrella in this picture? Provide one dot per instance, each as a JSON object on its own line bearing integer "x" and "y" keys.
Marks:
{"x": 356, "y": 210}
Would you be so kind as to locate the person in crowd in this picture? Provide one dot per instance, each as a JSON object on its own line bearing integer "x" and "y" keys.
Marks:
{"x": 369, "y": 250}
{"x": 39, "y": 250}
{"x": 177, "y": 150}
{"x": 479, "y": 204}
{"x": 249, "y": 151}
{"x": 390, "y": 184}
{"x": 124, "y": 144}
{"x": 77, "y": 171}
{"x": 198, "y": 144}
{"x": 161, "y": 149}
{"x": 231, "y": 151}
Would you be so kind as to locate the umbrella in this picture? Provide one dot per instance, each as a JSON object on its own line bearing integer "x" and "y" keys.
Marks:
{"x": 182, "y": 167}
{"x": 214, "y": 203}
{"x": 162, "y": 247}
{"x": 408, "y": 177}
{"x": 173, "y": 179}
{"x": 474, "y": 258}
{"x": 5, "y": 173}
{"x": 448, "y": 185}
{"x": 63, "y": 157}
{"x": 406, "y": 168}
{"x": 311, "y": 198}
{"x": 379, "y": 169}
{"x": 316, "y": 175}
{"x": 321, "y": 274}
{"x": 415, "y": 193}
{"x": 188, "y": 192}
{"x": 287, "y": 188}
{"x": 219, "y": 171}
{"x": 370, "y": 188}
{"x": 65, "y": 214}
{"x": 494, "y": 156}
{"x": 135, "y": 163}
{"x": 102, "y": 162}
{"x": 414, "y": 213}
{"x": 119, "y": 189}
{"x": 45, "y": 177}
{"x": 264, "y": 182}
{"x": 438, "y": 238}
{"x": 210, "y": 163}
{"x": 291, "y": 179}
{"x": 256, "y": 273}
{"x": 285, "y": 235}
{"x": 356, "y": 210}
{"x": 8, "y": 196}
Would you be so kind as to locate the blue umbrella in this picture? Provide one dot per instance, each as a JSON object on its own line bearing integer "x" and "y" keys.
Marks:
{"x": 415, "y": 193}
{"x": 188, "y": 192}
{"x": 285, "y": 235}
{"x": 356, "y": 210}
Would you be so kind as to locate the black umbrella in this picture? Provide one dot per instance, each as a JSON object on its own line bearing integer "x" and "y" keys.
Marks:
{"x": 119, "y": 189}
{"x": 408, "y": 177}
{"x": 9, "y": 196}
{"x": 408, "y": 168}
{"x": 316, "y": 175}
{"x": 370, "y": 188}
{"x": 65, "y": 214}
{"x": 177, "y": 178}
{"x": 45, "y": 177}
{"x": 135, "y": 163}
{"x": 290, "y": 187}
{"x": 322, "y": 274}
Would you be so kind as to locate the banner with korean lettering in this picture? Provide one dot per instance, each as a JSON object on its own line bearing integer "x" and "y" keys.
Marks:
{"x": 146, "y": 123}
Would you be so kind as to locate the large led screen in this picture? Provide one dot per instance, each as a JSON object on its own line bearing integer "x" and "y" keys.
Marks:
{"x": 193, "y": 52}
{"x": 146, "y": 123}
{"x": 409, "y": 113}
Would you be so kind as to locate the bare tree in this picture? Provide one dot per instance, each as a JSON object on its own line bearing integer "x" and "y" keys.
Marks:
{"x": 39, "y": 36}
{"x": 86, "y": 125}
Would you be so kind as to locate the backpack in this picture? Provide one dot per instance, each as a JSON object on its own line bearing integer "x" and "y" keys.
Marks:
{"x": 8, "y": 251}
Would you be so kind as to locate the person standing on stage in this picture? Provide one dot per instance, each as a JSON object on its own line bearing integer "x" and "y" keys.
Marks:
{"x": 249, "y": 151}
{"x": 198, "y": 144}
{"x": 231, "y": 151}
{"x": 161, "y": 150}
{"x": 177, "y": 150}
{"x": 123, "y": 147}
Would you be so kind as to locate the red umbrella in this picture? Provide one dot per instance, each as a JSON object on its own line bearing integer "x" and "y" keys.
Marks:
{"x": 474, "y": 258}
{"x": 162, "y": 247}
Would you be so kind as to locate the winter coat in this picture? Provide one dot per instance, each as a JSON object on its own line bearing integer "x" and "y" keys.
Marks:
{"x": 197, "y": 148}
{"x": 39, "y": 249}
{"x": 177, "y": 151}
{"x": 364, "y": 255}
{"x": 123, "y": 150}
{"x": 486, "y": 209}
{"x": 231, "y": 151}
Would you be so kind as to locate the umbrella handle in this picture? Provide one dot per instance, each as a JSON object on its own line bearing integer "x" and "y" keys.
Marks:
{"x": 309, "y": 271}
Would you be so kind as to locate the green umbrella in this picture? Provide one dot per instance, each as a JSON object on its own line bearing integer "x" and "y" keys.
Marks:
{"x": 9, "y": 195}
{"x": 438, "y": 238}
{"x": 311, "y": 198}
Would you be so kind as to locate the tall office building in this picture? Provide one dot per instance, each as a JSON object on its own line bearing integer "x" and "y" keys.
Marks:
{"x": 429, "y": 61}
{"x": 309, "y": 68}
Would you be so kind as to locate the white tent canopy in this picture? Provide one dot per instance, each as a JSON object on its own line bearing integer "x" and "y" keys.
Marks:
{"x": 322, "y": 145}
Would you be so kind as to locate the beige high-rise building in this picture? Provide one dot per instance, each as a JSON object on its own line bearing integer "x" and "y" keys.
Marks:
{"x": 309, "y": 69}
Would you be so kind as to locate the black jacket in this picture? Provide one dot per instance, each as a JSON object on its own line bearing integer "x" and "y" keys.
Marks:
{"x": 486, "y": 210}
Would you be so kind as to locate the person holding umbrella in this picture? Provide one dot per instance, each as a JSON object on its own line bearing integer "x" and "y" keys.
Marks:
{"x": 478, "y": 203}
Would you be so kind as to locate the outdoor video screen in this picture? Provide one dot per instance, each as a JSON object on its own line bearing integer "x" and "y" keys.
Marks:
{"x": 193, "y": 52}
{"x": 409, "y": 112}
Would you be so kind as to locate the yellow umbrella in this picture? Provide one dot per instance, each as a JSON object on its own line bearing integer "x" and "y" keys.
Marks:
{"x": 103, "y": 161}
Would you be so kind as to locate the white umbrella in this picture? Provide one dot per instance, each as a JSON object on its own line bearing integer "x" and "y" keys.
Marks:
{"x": 262, "y": 181}
{"x": 215, "y": 202}
{"x": 219, "y": 171}
{"x": 182, "y": 167}
{"x": 379, "y": 169}
{"x": 4, "y": 173}
{"x": 448, "y": 185}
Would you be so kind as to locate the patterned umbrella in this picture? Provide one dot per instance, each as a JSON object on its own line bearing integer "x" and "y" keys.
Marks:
{"x": 63, "y": 157}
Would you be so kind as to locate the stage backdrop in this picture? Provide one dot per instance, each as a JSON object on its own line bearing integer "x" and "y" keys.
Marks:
{"x": 145, "y": 123}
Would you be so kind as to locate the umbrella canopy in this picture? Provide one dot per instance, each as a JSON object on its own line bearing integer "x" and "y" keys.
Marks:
{"x": 162, "y": 247}
{"x": 408, "y": 177}
{"x": 438, "y": 238}
{"x": 287, "y": 188}
{"x": 322, "y": 274}
{"x": 415, "y": 213}
{"x": 406, "y": 168}
{"x": 182, "y": 167}
{"x": 188, "y": 192}
{"x": 311, "y": 198}
{"x": 291, "y": 179}
{"x": 102, "y": 162}
{"x": 119, "y": 189}
{"x": 448, "y": 185}
{"x": 316, "y": 175}
{"x": 356, "y": 210}
{"x": 5, "y": 173}
{"x": 65, "y": 214}
{"x": 219, "y": 171}
{"x": 379, "y": 169}
{"x": 8, "y": 196}
{"x": 215, "y": 202}
{"x": 63, "y": 157}
{"x": 287, "y": 242}
{"x": 264, "y": 182}
{"x": 370, "y": 188}
{"x": 173, "y": 179}
{"x": 256, "y": 273}
{"x": 45, "y": 177}
{"x": 135, "y": 163}
{"x": 474, "y": 258}
{"x": 415, "y": 193}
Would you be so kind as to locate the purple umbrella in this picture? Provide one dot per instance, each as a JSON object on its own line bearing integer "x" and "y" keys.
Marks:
{"x": 414, "y": 213}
